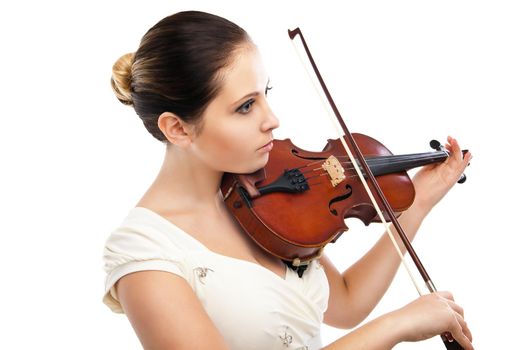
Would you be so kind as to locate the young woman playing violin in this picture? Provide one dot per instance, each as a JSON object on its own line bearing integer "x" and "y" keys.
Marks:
{"x": 181, "y": 268}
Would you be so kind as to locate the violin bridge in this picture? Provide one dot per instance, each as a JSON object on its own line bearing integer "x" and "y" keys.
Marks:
{"x": 334, "y": 169}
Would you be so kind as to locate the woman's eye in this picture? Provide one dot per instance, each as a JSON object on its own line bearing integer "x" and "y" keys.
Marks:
{"x": 246, "y": 107}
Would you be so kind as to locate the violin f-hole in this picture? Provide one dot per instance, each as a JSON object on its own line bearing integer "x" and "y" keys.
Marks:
{"x": 339, "y": 198}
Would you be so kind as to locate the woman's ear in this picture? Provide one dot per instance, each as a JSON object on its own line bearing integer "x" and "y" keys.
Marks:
{"x": 176, "y": 130}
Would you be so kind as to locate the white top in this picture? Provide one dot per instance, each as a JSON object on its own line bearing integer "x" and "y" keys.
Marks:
{"x": 251, "y": 306}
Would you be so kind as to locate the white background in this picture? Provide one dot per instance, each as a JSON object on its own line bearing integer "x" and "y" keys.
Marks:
{"x": 75, "y": 160}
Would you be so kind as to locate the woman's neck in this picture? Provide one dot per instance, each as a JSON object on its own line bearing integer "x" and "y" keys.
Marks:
{"x": 184, "y": 184}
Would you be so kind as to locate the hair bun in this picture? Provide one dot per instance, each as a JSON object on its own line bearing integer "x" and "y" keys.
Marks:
{"x": 121, "y": 78}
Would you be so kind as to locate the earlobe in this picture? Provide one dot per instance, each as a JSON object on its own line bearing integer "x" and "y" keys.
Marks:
{"x": 174, "y": 129}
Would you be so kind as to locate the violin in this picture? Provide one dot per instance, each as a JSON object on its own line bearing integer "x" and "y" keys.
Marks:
{"x": 299, "y": 201}
{"x": 297, "y": 204}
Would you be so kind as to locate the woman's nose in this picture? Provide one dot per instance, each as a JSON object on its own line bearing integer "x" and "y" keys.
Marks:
{"x": 270, "y": 121}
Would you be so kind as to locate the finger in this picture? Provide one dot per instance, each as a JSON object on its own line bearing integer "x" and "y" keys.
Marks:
{"x": 457, "y": 159}
{"x": 455, "y": 149}
{"x": 467, "y": 157}
{"x": 445, "y": 294}
{"x": 448, "y": 146}
{"x": 461, "y": 333}
{"x": 458, "y": 309}
{"x": 466, "y": 160}
{"x": 453, "y": 155}
{"x": 464, "y": 326}
{"x": 465, "y": 343}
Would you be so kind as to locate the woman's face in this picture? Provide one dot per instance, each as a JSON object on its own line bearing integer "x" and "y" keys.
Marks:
{"x": 236, "y": 133}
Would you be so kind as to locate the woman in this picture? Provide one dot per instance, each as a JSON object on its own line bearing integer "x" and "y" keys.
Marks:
{"x": 181, "y": 268}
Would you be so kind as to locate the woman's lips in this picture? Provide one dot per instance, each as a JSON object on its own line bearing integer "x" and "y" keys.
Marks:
{"x": 267, "y": 148}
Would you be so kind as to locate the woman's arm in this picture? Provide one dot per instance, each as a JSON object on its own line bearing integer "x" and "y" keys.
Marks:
{"x": 165, "y": 312}
{"x": 355, "y": 292}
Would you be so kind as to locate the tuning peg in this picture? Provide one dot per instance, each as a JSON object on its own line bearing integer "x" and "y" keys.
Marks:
{"x": 462, "y": 179}
{"x": 435, "y": 144}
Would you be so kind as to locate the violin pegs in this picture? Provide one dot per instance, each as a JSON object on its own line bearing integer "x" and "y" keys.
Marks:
{"x": 462, "y": 179}
{"x": 435, "y": 144}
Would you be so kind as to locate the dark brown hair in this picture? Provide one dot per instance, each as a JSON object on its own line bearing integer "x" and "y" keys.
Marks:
{"x": 177, "y": 67}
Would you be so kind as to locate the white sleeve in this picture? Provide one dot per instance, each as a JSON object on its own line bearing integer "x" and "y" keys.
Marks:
{"x": 138, "y": 248}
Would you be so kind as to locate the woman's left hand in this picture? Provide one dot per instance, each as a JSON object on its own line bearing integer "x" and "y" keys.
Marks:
{"x": 433, "y": 181}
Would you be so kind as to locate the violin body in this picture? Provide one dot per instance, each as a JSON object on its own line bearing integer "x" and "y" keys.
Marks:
{"x": 305, "y": 197}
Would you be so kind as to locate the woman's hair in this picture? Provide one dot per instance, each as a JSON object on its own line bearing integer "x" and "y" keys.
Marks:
{"x": 177, "y": 67}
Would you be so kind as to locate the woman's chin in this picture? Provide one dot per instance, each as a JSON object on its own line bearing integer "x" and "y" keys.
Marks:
{"x": 250, "y": 169}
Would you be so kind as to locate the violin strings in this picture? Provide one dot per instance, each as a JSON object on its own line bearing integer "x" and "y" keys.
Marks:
{"x": 326, "y": 174}
{"x": 435, "y": 154}
{"x": 318, "y": 172}
{"x": 310, "y": 164}
{"x": 382, "y": 161}
{"x": 370, "y": 162}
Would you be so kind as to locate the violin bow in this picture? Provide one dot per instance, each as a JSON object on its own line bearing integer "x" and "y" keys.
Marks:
{"x": 449, "y": 342}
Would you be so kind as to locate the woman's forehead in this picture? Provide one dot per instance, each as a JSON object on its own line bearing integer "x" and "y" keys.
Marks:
{"x": 245, "y": 75}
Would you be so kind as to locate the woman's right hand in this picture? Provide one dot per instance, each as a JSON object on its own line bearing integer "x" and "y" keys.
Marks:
{"x": 434, "y": 314}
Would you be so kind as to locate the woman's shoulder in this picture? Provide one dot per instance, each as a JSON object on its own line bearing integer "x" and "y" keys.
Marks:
{"x": 146, "y": 235}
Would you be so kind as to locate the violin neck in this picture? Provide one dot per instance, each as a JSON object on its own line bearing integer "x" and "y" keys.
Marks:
{"x": 382, "y": 165}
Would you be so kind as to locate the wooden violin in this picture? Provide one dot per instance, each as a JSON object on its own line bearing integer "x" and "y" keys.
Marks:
{"x": 303, "y": 197}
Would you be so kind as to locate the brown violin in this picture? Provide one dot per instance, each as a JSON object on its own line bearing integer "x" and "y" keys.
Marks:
{"x": 303, "y": 197}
